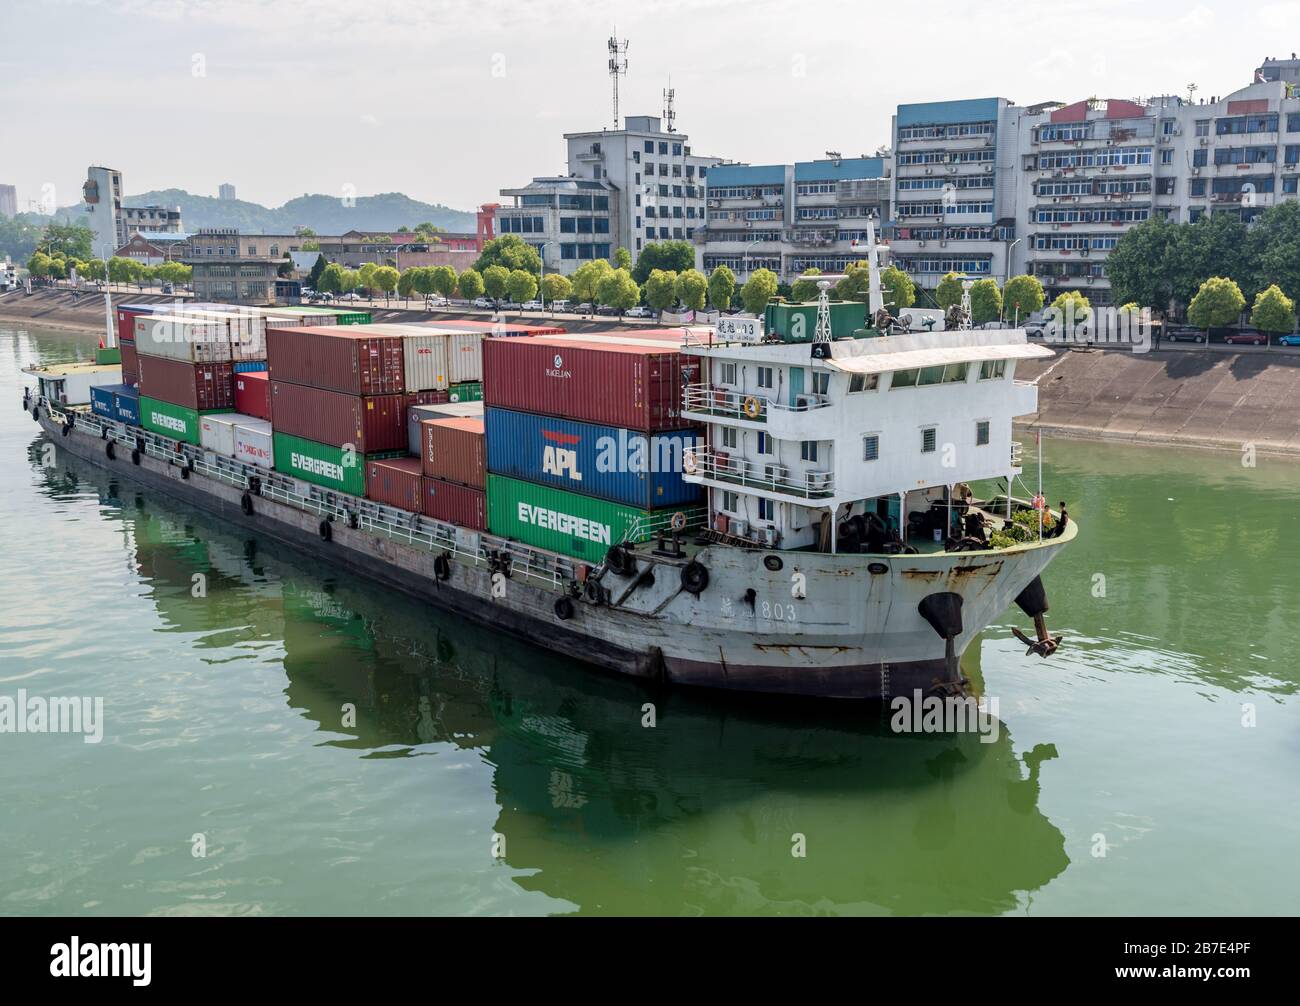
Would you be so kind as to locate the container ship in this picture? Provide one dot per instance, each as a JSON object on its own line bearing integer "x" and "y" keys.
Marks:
{"x": 777, "y": 505}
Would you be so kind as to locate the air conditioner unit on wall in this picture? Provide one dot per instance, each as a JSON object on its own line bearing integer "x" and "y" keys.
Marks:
{"x": 817, "y": 480}
{"x": 776, "y": 473}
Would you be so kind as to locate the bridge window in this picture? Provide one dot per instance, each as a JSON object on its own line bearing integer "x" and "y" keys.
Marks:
{"x": 992, "y": 370}
{"x": 863, "y": 382}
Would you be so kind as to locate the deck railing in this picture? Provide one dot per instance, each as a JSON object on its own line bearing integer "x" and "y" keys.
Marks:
{"x": 706, "y": 463}
{"x": 705, "y": 399}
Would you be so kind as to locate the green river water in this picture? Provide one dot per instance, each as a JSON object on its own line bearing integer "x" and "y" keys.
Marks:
{"x": 1150, "y": 766}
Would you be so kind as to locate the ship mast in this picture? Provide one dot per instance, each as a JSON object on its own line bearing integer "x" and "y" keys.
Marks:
{"x": 875, "y": 299}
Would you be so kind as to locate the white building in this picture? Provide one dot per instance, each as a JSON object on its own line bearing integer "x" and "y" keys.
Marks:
{"x": 8, "y": 202}
{"x": 102, "y": 197}
{"x": 225, "y": 191}
{"x": 148, "y": 220}
{"x": 568, "y": 220}
{"x": 660, "y": 180}
{"x": 791, "y": 217}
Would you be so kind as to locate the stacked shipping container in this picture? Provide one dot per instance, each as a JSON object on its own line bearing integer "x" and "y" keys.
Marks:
{"x": 584, "y": 438}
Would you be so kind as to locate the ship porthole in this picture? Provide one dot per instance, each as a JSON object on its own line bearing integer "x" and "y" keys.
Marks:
{"x": 877, "y": 568}
{"x": 773, "y": 562}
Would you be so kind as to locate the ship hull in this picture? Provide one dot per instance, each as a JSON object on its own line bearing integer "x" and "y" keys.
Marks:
{"x": 818, "y": 625}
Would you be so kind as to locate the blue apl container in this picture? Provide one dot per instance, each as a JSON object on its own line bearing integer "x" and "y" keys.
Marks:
{"x": 248, "y": 366}
{"x": 126, "y": 404}
{"x": 101, "y": 400}
{"x": 604, "y": 461}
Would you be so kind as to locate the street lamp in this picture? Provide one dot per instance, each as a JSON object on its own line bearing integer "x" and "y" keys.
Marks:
{"x": 1006, "y": 278}
{"x": 745, "y": 260}
{"x": 541, "y": 274}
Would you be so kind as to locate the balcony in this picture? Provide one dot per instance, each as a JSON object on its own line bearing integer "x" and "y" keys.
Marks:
{"x": 792, "y": 422}
{"x": 703, "y": 402}
{"x": 704, "y": 464}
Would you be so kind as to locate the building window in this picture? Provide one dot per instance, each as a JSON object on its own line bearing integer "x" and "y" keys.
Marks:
{"x": 729, "y": 500}
{"x": 808, "y": 450}
{"x": 981, "y": 433}
{"x": 729, "y": 437}
{"x": 765, "y": 377}
{"x": 821, "y": 382}
{"x": 904, "y": 379}
{"x": 764, "y": 444}
{"x": 649, "y": 146}
{"x": 1202, "y": 127}
{"x": 863, "y": 382}
{"x": 929, "y": 437}
{"x": 728, "y": 375}
{"x": 871, "y": 447}
{"x": 766, "y": 509}
{"x": 993, "y": 370}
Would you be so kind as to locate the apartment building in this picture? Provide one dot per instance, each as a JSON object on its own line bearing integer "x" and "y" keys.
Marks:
{"x": 791, "y": 217}
{"x": 8, "y": 202}
{"x": 568, "y": 220}
{"x": 238, "y": 268}
{"x": 101, "y": 196}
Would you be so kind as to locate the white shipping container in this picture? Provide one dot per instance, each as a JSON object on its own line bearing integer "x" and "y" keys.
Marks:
{"x": 179, "y": 338}
{"x": 465, "y": 356}
{"x": 245, "y": 330}
{"x": 219, "y": 431}
{"x": 416, "y": 414}
{"x": 425, "y": 362}
{"x": 253, "y": 443}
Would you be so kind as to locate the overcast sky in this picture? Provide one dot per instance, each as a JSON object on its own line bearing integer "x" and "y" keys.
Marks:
{"x": 450, "y": 100}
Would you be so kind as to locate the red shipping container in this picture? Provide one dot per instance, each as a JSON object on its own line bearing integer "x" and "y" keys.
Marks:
{"x": 253, "y": 394}
{"x": 427, "y": 398}
{"x": 498, "y": 328}
{"x": 338, "y": 358}
{"x": 455, "y": 504}
{"x": 201, "y": 386}
{"x": 130, "y": 364}
{"x": 636, "y": 385}
{"x": 369, "y": 423}
{"x": 126, "y": 325}
{"x": 395, "y": 482}
{"x": 454, "y": 450}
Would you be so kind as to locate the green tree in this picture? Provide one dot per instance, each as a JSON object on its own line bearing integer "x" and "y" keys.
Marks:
{"x": 119, "y": 270}
{"x": 39, "y": 265}
{"x": 622, "y": 258}
{"x": 1139, "y": 267}
{"x": 1218, "y": 302}
{"x": 1273, "y": 250}
{"x": 470, "y": 284}
{"x": 897, "y": 288}
{"x": 1073, "y": 301}
{"x": 586, "y": 280}
{"x": 618, "y": 289}
{"x": 366, "y": 278}
{"x": 661, "y": 289}
{"x": 805, "y": 289}
{"x": 95, "y": 269}
{"x": 1021, "y": 297}
{"x": 758, "y": 290}
{"x": 318, "y": 267}
{"x": 692, "y": 289}
{"x": 722, "y": 287}
{"x": 948, "y": 292}
{"x": 509, "y": 251}
{"x": 668, "y": 256}
{"x": 385, "y": 279}
{"x": 443, "y": 281}
{"x": 1273, "y": 312}
{"x": 331, "y": 279}
{"x": 406, "y": 283}
{"x": 521, "y": 285}
{"x": 495, "y": 278}
{"x": 73, "y": 240}
{"x": 556, "y": 287}
{"x": 349, "y": 281}
{"x": 985, "y": 301}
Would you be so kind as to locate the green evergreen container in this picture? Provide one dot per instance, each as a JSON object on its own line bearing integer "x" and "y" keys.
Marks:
{"x": 466, "y": 391}
{"x": 798, "y": 322}
{"x": 105, "y": 356}
{"x": 321, "y": 464}
{"x": 580, "y": 526}
{"x": 168, "y": 420}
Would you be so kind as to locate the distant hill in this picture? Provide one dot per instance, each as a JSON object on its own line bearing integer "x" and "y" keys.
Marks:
{"x": 323, "y": 214}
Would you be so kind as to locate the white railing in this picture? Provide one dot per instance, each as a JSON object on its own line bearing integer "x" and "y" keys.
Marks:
{"x": 666, "y": 521}
{"x": 413, "y": 529}
{"x": 803, "y": 403}
{"x": 719, "y": 466}
{"x": 1017, "y": 453}
{"x": 705, "y": 399}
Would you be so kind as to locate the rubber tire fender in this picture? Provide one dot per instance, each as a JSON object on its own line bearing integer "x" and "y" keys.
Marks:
{"x": 246, "y": 504}
{"x": 326, "y": 531}
{"x": 563, "y": 609}
{"x": 110, "y": 451}
{"x": 135, "y": 456}
{"x": 695, "y": 578}
{"x": 442, "y": 566}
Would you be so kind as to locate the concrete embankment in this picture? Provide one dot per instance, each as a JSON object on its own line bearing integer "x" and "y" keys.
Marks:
{"x": 1191, "y": 398}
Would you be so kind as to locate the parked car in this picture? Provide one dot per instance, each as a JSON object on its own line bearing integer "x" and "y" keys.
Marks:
{"x": 1246, "y": 337}
{"x": 1033, "y": 329}
{"x": 608, "y": 310}
{"x": 435, "y": 300}
{"x": 560, "y": 305}
{"x": 1289, "y": 340}
{"x": 1184, "y": 333}
{"x": 508, "y": 305}
{"x": 640, "y": 311}
{"x": 582, "y": 309}
{"x": 532, "y": 305}
{"x": 483, "y": 302}
{"x": 352, "y": 297}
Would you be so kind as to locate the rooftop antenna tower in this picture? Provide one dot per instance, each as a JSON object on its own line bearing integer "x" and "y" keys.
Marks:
{"x": 617, "y": 66}
{"x": 670, "y": 113}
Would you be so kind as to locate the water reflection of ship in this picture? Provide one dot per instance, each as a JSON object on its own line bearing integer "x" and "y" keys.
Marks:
{"x": 695, "y": 814}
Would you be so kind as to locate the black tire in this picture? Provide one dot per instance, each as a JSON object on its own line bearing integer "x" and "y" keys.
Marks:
{"x": 620, "y": 560}
{"x": 246, "y": 504}
{"x": 185, "y": 472}
{"x": 695, "y": 578}
{"x": 110, "y": 451}
{"x": 135, "y": 456}
{"x": 326, "y": 531}
{"x": 36, "y": 413}
{"x": 564, "y": 609}
{"x": 67, "y": 428}
{"x": 442, "y": 566}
